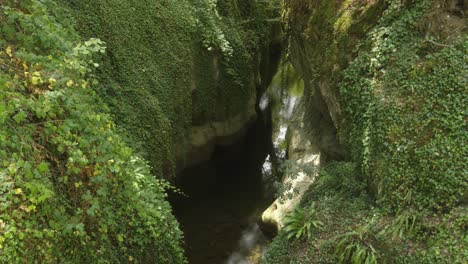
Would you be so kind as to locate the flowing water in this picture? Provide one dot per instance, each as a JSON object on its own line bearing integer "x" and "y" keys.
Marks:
{"x": 226, "y": 197}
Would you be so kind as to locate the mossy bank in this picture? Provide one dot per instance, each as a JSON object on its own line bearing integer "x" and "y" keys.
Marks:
{"x": 385, "y": 83}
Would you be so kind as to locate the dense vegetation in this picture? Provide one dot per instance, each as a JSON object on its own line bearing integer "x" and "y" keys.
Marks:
{"x": 398, "y": 69}
{"x": 171, "y": 64}
{"x": 72, "y": 191}
{"x": 78, "y": 188}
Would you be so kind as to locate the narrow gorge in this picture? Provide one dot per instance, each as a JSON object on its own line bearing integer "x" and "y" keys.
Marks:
{"x": 233, "y": 131}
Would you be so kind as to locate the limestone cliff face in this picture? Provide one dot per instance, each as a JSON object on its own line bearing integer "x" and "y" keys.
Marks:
{"x": 322, "y": 38}
{"x": 304, "y": 150}
{"x": 321, "y": 45}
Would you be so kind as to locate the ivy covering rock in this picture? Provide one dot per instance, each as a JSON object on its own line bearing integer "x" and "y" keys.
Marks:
{"x": 71, "y": 190}
{"x": 393, "y": 77}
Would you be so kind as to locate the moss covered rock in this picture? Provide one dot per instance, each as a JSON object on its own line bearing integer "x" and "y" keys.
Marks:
{"x": 171, "y": 65}
{"x": 390, "y": 76}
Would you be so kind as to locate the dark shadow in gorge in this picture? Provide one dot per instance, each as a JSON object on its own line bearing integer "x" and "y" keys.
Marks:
{"x": 226, "y": 196}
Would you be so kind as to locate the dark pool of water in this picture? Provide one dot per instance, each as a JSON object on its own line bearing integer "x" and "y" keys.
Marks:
{"x": 225, "y": 199}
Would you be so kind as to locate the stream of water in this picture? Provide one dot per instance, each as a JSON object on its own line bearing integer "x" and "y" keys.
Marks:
{"x": 227, "y": 195}
{"x": 225, "y": 198}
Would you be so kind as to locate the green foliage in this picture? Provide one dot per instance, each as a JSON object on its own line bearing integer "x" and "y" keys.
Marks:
{"x": 71, "y": 190}
{"x": 171, "y": 64}
{"x": 403, "y": 99}
{"x": 447, "y": 242}
{"x": 278, "y": 252}
{"x": 301, "y": 223}
{"x": 209, "y": 25}
{"x": 403, "y": 224}
{"x": 145, "y": 73}
{"x": 341, "y": 178}
{"x": 398, "y": 69}
{"x": 356, "y": 247}
{"x": 401, "y": 93}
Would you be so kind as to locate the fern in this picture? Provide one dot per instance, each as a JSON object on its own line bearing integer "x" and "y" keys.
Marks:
{"x": 403, "y": 224}
{"x": 355, "y": 247}
{"x": 301, "y": 222}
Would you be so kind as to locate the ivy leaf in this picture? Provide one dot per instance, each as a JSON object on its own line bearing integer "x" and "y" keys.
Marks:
{"x": 43, "y": 167}
{"x": 2, "y": 113}
{"x": 20, "y": 117}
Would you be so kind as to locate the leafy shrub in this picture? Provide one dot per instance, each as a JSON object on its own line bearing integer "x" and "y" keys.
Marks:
{"x": 301, "y": 222}
{"x": 71, "y": 190}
